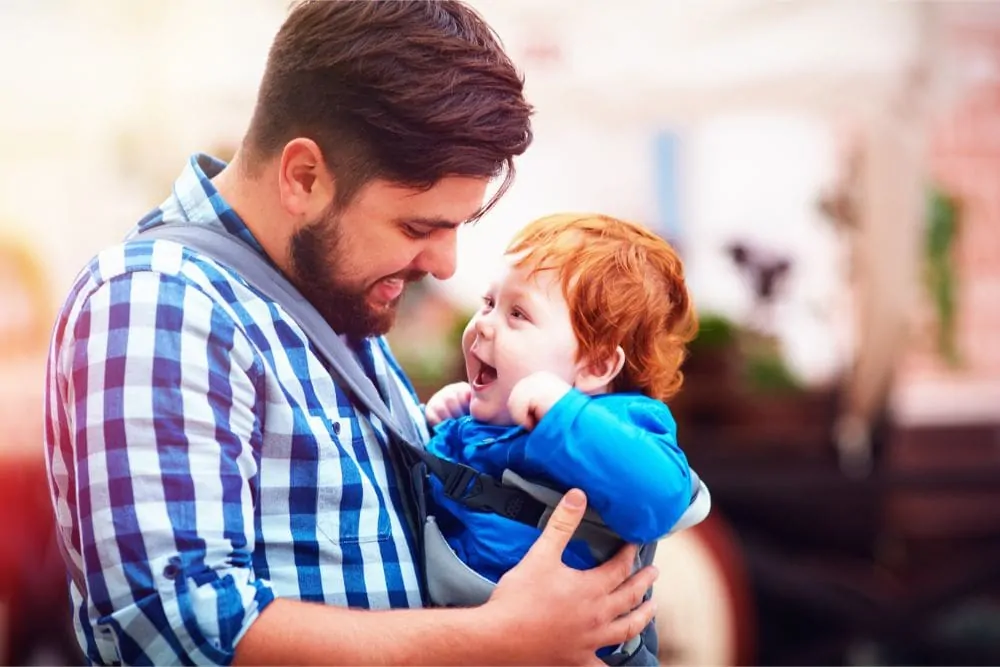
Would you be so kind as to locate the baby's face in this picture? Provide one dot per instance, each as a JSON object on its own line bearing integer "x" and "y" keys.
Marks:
{"x": 523, "y": 327}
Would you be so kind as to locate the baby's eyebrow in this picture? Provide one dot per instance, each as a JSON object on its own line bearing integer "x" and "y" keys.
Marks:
{"x": 522, "y": 297}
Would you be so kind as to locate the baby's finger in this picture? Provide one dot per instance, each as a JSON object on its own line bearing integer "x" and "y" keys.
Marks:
{"x": 455, "y": 407}
{"x": 433, "y": 414}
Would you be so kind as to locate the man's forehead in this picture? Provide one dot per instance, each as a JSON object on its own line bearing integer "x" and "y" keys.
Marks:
{"x": 451, "y": 201}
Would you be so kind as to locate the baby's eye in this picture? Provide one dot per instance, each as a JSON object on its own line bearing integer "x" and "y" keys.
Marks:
{"x": 518, "y": 314}
{"x": 488, "y": 303}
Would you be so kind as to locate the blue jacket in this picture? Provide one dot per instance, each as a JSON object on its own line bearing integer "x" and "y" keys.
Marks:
{"x": 620, "y": 449}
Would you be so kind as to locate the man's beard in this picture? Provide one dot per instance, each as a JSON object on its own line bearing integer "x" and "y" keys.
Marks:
{"x": 314, "y": 252}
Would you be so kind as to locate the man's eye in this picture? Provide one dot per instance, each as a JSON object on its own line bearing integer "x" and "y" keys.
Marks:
{"x": 415, "y": 233}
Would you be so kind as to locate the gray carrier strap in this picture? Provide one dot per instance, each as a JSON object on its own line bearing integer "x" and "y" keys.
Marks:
{"x": 602, "y": 541}
{"x": 461, "y": 483}
{"x": 256, "y": 270}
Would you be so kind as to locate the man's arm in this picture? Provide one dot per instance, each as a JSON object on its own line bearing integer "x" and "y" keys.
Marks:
{"x": 157, "y": 380}
{"x": 541, "y": 612}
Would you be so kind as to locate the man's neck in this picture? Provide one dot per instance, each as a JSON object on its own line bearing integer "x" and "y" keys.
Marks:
{"x": 255, "y": 201}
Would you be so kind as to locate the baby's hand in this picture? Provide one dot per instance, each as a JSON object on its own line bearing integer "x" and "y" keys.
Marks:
{"x": 448, "y": 402}
{"x": 535, "y": 395}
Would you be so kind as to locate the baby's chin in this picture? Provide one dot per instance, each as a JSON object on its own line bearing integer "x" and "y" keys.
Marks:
{"x": 484, "y": 412}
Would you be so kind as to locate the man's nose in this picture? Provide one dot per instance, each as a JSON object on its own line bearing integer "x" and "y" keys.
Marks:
{"x": 438, "y": 257}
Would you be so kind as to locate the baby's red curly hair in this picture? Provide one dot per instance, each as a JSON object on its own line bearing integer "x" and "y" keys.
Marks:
{"x": 624, "y": 286}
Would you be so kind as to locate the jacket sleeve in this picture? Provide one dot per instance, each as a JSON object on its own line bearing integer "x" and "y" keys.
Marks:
{"x": 621, "y": 452}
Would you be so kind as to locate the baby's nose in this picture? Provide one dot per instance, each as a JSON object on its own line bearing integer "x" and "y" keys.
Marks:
{"x": 484, "y": 328}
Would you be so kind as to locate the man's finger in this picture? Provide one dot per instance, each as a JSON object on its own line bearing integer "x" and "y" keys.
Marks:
{"x": 565, "y": 519}
{"x": 618, "y": 568}
{"x": 629, "y": 595}
{"x": 622, "y": 629}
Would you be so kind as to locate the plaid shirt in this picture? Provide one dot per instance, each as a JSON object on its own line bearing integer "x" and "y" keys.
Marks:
{"x": 202, "y": 461}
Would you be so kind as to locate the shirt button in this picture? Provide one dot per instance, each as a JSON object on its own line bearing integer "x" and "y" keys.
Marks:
{"x": 172, "y": 568}
{"x": 336, "y": 428}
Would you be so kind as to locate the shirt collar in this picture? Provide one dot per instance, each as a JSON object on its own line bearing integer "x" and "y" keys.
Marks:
{"x": 195, "y": 199}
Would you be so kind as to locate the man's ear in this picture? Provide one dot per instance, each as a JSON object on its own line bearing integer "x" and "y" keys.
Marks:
{"x": 594, "y": 377}
{"x": 304, "y": 183}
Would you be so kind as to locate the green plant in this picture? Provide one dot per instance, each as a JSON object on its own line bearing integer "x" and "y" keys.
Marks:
{"x": 715, "y": 331}
{"x": 766, "y": 372}
{"x": 939, "y": 239}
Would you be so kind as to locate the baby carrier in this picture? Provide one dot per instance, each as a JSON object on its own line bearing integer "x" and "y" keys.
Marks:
{"x": 448, "y": 581}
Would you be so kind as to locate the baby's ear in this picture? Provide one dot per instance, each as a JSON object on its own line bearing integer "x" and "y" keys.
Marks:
{"x": 594, "y": 377}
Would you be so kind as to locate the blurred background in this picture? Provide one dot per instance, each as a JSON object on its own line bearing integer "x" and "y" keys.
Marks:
{"x": 830, "y": 173}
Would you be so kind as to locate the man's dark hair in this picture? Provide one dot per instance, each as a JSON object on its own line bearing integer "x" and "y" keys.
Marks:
{"x": 410, "y": 91}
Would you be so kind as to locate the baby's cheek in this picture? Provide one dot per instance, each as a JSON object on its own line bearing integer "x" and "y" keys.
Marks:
{"x": 478, "y": 409}
{"x": 522, "y": 363}
{"x": 469, "y": 335}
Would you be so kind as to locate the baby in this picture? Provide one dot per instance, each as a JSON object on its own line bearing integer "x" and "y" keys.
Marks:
{"x": 578, "y": 343}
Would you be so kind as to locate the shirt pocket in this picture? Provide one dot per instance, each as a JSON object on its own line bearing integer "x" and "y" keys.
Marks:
{"x": 351, "y": 492}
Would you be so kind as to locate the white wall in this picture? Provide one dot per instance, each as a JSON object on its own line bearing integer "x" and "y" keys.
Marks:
{"x": 574, "y": 164}
{"x": 103, "y": 101}
{"x": 757, "y": 177}
{"x": 753, "y": 177}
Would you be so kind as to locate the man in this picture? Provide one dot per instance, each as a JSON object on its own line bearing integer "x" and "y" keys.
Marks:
{"x": 219, "y": 498}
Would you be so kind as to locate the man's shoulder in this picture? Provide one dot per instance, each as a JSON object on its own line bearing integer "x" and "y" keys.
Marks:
{"x": 165, "y": 259}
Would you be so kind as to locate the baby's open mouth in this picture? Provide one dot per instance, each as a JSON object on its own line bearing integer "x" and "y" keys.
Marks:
{"x": 484, "y": 377}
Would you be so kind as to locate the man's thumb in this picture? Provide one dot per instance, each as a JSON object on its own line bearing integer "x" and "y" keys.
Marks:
{"x": 565, "y": 519}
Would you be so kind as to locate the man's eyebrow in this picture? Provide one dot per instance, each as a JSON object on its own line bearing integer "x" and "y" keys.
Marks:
{"x": 433, "y": 223}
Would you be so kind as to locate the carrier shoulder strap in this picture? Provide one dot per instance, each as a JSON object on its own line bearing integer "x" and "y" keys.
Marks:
{"x": 461, "y": 482}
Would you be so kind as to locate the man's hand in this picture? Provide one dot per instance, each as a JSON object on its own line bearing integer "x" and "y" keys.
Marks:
{"x": 448, "y": 402}
{"x": 535, "y": 395}
{"x": 557, "y": 615}
{"x": 541, "y": 613}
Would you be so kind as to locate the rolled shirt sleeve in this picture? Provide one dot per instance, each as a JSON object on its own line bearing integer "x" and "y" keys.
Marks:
{"x": 156, "y": 498}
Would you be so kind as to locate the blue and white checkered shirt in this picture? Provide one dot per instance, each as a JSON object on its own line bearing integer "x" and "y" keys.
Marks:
{"x": 202, "y": 460}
